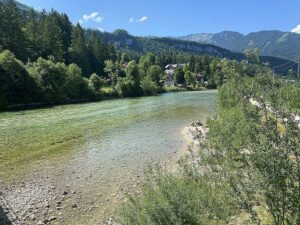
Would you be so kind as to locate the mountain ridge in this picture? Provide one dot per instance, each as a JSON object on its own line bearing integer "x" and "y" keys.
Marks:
{"x": 270, "y": 42}
{"x": 122, "y": 40}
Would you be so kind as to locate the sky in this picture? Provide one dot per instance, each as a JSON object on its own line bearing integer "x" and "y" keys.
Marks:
{"x": 178, "y": 17}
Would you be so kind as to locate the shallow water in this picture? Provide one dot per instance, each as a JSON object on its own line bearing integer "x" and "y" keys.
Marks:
{"x": 95, "y": 149}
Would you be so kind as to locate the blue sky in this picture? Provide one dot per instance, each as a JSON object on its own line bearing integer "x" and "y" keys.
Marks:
{"x": 178, "y": 17}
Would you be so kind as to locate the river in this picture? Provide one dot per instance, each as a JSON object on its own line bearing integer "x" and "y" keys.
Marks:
{"x": 75, "y": 162}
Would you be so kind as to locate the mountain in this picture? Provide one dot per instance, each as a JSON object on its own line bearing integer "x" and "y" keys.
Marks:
{"x": 271, "y": 43}
{"x": 123, "y": 41}
{"x": 20, "y": 5}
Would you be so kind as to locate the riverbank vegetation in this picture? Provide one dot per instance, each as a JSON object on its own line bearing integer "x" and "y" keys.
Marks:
{"x": 246, "y": 169}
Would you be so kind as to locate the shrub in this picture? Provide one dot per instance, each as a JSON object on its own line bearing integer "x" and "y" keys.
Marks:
{"x": 149, "y": 87}
{"x": 173, "y": 199}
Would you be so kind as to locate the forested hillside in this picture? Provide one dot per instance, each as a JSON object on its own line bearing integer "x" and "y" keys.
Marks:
{"x": 45, "y": 59}
{"x": 141, "y": 45}
{"x": 275, "y": 43}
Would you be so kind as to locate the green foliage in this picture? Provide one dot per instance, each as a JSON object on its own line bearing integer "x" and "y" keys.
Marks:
{"x": 12, "y": 36}
{"x": 190, "y": 78}
{"x": 250, "y": 155}
{"x": 130, "y": 85}
{"x": 51, "y": 77}
{"x": 249, "y": 140}
{"x": 179, "y": 76}
{"x": 192, "y": 64}
{"x": 171, "y": 199}
{"x": 73, "y": 82}
{"x": 78, "y": 49}
{"x": 149, "y": 86}
{"x": 252, "y": 56}
{"x": 155, "y": 73}
{"x": 96, "y": 82}
{"x": 147, "y": 61}
{"x": 60, "y": 82}
{"x": 17, "y": 86}
{"x": 290, "y": 96}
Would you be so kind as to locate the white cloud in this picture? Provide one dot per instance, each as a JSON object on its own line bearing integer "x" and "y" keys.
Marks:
{"x": 99, "y": 19}
{"x": 101, "y": 30}
{"x": 140, "y": 20}
{"x": 131, "y": 20}
{"x": 91, "y": 17}
{"x": 296, "y": 29}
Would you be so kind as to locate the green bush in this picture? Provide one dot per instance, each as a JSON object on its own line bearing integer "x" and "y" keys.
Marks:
{"x": 149, "y": 87}
{"x": 175, "y": 200}
{"x": 17, "y": 86}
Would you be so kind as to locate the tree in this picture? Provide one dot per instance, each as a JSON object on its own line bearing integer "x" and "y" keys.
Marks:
{"x": 190, "y": 78}
{"x": 252, "y": 56}
{"x": 114, "y": 71}
{"x": 33, "y": 35}
{"x": 51, "y": 77}
{"x": 179, "y": 76}
{"x": 155, "y": 73}
{"x": 17, "y": 86}
{"x": 52, "y": 37}
{"x": 96, "y": 82}
{"x": 98, "y": 53}
{"x": 124, "y": 58}
{"x": 132, "y": 72}
{"x": 78, "y": 51}
{"x": 147, "y": 61}
{"x": 73, "y": 81}
{"x": 130, "y": 85}
{"x": 149, "y": 86}
{"x": 65, "y": 26}
{"x": 12, "y": 36}
{"x": 192, "y": 64}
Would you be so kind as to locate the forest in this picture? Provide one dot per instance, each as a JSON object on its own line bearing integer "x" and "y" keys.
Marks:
{"x": 45, "y": 60}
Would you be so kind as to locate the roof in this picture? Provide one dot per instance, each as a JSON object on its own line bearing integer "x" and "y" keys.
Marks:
{"x": 174, "y": 66}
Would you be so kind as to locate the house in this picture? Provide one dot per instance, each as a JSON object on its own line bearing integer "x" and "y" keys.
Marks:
{"x": 200, "y": 78}
{"x": 169, "y": 80}
{"x": 170, "y": 71}
{"x": 174, "y": 66}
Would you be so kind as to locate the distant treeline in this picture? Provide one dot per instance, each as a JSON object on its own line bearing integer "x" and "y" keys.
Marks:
{"x": 44, "y": 59}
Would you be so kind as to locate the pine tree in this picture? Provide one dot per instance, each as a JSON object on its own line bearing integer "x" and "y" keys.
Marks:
{"x": 78, "y": 50}
{"x": 11, "y": 34}
{"x": 192, "y": 64}
{"x": 32, "y": 34}
{"x": 52, "y": 37}
{"x": 96, "y": 54}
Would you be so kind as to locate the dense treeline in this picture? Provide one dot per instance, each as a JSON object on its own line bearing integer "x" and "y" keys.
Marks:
{"x": 122, "y": 40}
{"x": 247, "y": 168}
{"x": 44, "y": 59}
{"x": 30, "y": 34}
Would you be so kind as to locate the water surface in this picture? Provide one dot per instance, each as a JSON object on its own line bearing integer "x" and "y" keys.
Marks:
{"x": 96, "y": 150}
